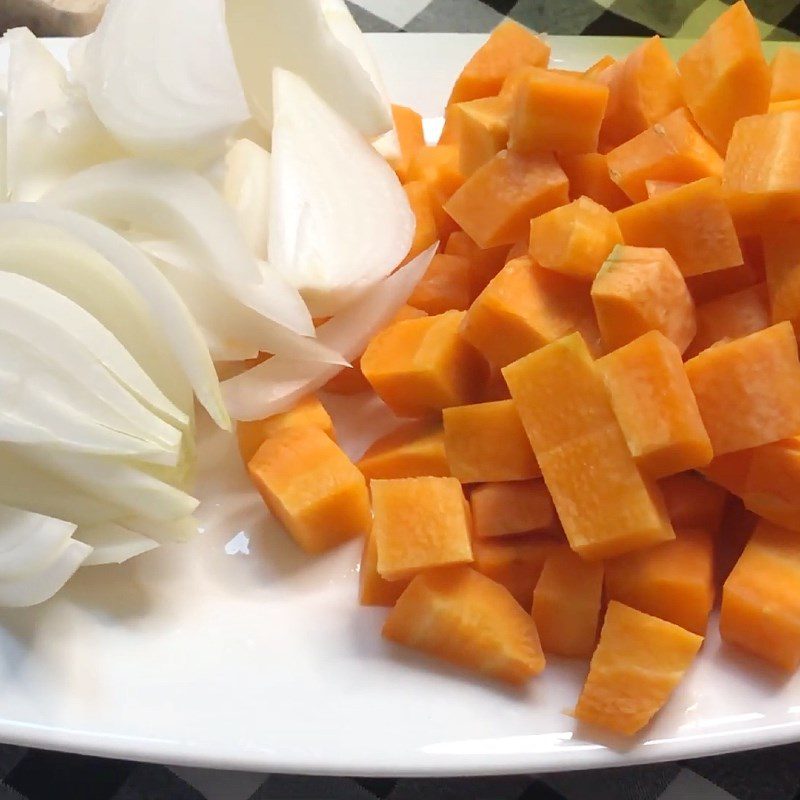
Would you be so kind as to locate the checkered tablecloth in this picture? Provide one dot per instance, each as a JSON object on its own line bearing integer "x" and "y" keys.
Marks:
{"x": 772, "y": 774}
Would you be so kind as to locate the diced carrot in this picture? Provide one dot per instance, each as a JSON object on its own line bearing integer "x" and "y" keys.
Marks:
{"x": 372, "y": 589}
{"x": 352, "y": 381}
{"x": 639, "y": 661}
{"x": 655, "y": 188}
{"x": 761, "y": 598}
{"x": 762, "y": 174}
{"x": 673, "y": 149}
{"x": 574, "y": 239}
{"x": 482, "y": 130}
{"x": 711, "y": 285}
{"x": 450, "y": 128}
{"x": 692, "y": 222}
{"x": 566, "y": 604}
{"x": 605, "y": 505}
{"x": 556, "y": 112}
{"x": 312, "y": 487}
{"x": 438, "y": 168}
{"x": 724, "y": 75}
{"x": 445, "y": 285}
{"x": 495, "y": 388}
{"x": 524, "y": 308}
{"x": 486, "y": 442}
{"x": 738, "y": 525}
{"x": 510, "y": 508}
{"x": 748, "y": 390}
{"x": 518, "y": 249}
{"x": 410, "y": 136}
{"x": 419, "y": 523}
{"x": 496, "y": 203}
{"x": 655, "y": 407}
{"x": 588, "y": 176}
{"x": 783, "y": 105}
{"x": 510, "y": 46}
{"x": 782, "y": 260}
{"x": 483, "y": 264}
{"x": 643, "y": 89}
{"x": 641, "y": 289}
{"x": 730, "y": 471}
{"x": 693, "y": 502}
{"x": 785, "y": 74}
{"x": 420, "y": 366}
{"x": 730, "y": 317}
{"x": 425, "y": 233}
{"x": 414, "y": 450}
{"x": 772, "y": 487}
{"x": 602, "y": 64}
{"x": 309, "y": 412}
{"x": 515, "y": 562}
{"x": 461, "y": 616}
{"x": 673, "y": 581}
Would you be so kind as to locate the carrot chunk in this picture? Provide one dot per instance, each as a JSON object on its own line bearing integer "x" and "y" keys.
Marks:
{"x": 410, "y": 137}
{"x": 446, "y": 285}
{"x": 413, "y": 450}
{"x": 425, "y": 232}
{"x": 588, "y": 176}
{"x": 693, "y": 502}
{"x": 373, "y": 590}
{"x": 782, "y": 261}
{"x": 482, "y": 130}
{"x": 437, "y": 167}
{"x": 785, "y": 75}
{"x": 483, "y": 264}
{"x": 509, "y": 508}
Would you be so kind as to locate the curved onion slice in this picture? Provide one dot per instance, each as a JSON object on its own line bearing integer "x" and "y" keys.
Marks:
{"x": 51, "y": 129}
{"x": 113, "y": 543}
{"x": 29, "y": 541}
{"x": 36, "y": 587}
{"x": 179, "y": 330}
{"x": 319, "y": 41}
{"x": 339, "y": 218}
{"x": 171, "y": 202}
{"x": 277, "y": 384}
{"x": 161, "y": 77}
{"x": 245, "y": 187}
{"x": 178, "y": 530}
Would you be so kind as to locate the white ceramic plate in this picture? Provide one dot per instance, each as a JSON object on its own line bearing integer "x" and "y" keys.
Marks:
{"x": 236, "y": 651}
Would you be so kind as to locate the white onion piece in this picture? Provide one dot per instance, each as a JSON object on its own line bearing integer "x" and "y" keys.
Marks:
{"x": 245, "y": 187}
{"x": 339, "y": 218}
{"x": 171, "y": 202}
{"x": 179, "y": 330}
{"x": 277, "y": 384}
{"x": 178, "y": 530}
{"x": 51, "y": 129}
{"x": 319, "y": 41}
{"x": 29, "y": 541}
{"x": 69, "y": 266}
{"x": 39, "y": 586}
{"x": 161, "y": 77}
{"x": 112, "y": 543}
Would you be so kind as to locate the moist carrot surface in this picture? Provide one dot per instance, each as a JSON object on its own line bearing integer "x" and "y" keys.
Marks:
{"x": 509, "y": 508}
{"x": 413, "y": 450}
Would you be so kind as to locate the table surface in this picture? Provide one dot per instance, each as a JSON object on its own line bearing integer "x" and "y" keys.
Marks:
{"x": 772, "y": 774}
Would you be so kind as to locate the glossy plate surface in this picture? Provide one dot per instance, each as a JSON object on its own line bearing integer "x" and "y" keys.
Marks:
{"x": 236, "y": 651}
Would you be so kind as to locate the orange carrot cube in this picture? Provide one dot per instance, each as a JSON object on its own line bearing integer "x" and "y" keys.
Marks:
{"x": 692, "y": 222}
{"x": 605, "y": 505}
{"x": 373, "y": 590}
{"x": 419, "y": 523}
{"x": 445, "y": 285}
{"x": 486, "y": 442}
{"x": 748, "y": 390}
{"x": 414, "y": 450}
{"x": 711, "y": 285}
{"x": 654, "y": 188}
{"x": 420, "y": 366}
{"x": 693, "y": 502}
{"x": 309, "y": 412}
{"x": 556, "y": 112}
{"x": 510, "y": 46}
{"x": 724, "y": 75}
{"x": 761, "y": 598}
{"x": 497, "y": 202}
{"x": 641, "y": 289}
{"x": 638, "y": 662}
{"x": 461, "y": 616}
{"x": 410, "y": 137}
{"x": 772, "y": 485}
{"x": 782, "y": 261}
{"x": 438, "y": 168}
{"x": 482, "y": 130}
{"x": 312, "y": 488}
{"x": 425, "y": 233}
{"x": 574, "y": 239}
{"x": 566, "y": 604}
{"x": 525, "y": 307}
{"x": 671, "y": 150}
{"x": 483, "y": 264}
{"x": 588, "y": 176}
{"x": 785, "y": 74}
{"x": 512, "y": 507}
{"x": 599, "y": 66}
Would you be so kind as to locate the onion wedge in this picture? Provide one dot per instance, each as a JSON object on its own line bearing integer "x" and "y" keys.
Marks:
{"x": 113, "y": 543}
{"x": 245, "y": 187}
{"x": 28, "y": 541}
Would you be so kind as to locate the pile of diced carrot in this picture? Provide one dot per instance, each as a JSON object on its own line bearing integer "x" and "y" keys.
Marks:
{"x": 599, "y": 374}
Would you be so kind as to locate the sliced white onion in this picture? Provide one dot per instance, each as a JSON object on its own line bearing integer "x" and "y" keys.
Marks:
{"x": 51, "y": 129}
{"x": 28, "y": 541}
{"x": 113, "y": 543}
{"x": 319, "y": 41}
{"x": 179, "y": 530}
{"x": 161, "y": 76}
{"x": 339, "y": 218}
{"x": 36, "y": 587}
{"x": 277, "y": 384}
{"x": 245, "y": 187}
{"x": 179, "y": 330}
{"x": 171, "y": 202}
